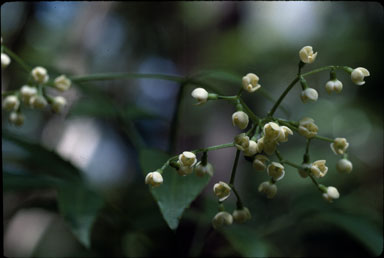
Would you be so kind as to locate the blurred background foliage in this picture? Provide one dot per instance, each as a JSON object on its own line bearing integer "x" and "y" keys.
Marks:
{"x": 73, "y": 184}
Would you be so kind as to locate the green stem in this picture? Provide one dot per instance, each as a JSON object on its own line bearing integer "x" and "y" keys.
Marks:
{"x": 18, "y": 60}
{"x": 323, "y": 138}
{"x": 329, "y": 67}
{"x": 290, "y": 86}
{"x": 292, "y": 164}
{"x": 250, "y": 113}
{"x": 233, "y": 174}
{"x": 175, "y": 120}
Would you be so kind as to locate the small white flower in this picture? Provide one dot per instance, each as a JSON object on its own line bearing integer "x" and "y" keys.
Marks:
{"x": 333, "y": 85}
{"x": 252, "y": 149}
{"x": 318, "y": 168}
{"x": 5, "y": 60}
{"x": 222, "y": 190}
{"x": 187, "y": 159}
{"x": 339, "y": 146}
{"x": 240, "y": 119}
{"x": 16, "y": 118}
{"x": 268, "y": 189}
{"x": 251, "y": 82}
{"x": 221, "y": 219}
{"x": 201, "y": 95}
{"x": 58, "y": 104}
{"x": 259, "y": 162}
{"x": 184, "y": 170}
{"x": 204, "y": 170}
{"x": 307, "y": 127}
{"x": 11, "y": 102}
{"x": 27, "y": 93}
{"x": 358, "y": 75}
{"x": 309, "y": 94}
{"x": 269, "y": 147}
{"x": 344, "y": 166}
{"x": 154, "y": 179}
{"x": 306, "y": 55}
{"x": 241, "y": 141}
{"x": 241, "y": 216}
{"x": 331, "y": 194}
{"x": 272, "y": 132}
{"x": 38, "y": 101}
{"x": 62, "y": 83}
{"x": 284, "y": 136}
{"x": 40, "y": 74}
{"x": 276, "y": 171}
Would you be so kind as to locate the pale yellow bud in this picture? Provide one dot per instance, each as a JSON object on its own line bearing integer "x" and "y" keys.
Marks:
{"x": 184, "y": 170}
{"x": 62, "y": 83}
{"x": 334, "y": 85}
{"x": 5, "y": 60}
{"x": 222, "y": 190}
{"x": 40, "y": 74}
{"x": 187, "y": 159}
{"x": 309, "y": 94}
{"x": 240, "y": 119}
{"x": 251, "y": 82}
{"x": 154, "y": 179}
{"x": 252, "y": 149}
{"x": 38, "y": 101}
{"x": 259, "y": 162}
{"x": 344, "y": 166}
{"x": 242, "y": 142}
{"x": 58, "y": 104}
{"x": 27, "y": 93}
{"x": 307, "y": 127}
{"x": 331, "y": 194}
{"x": 241, "y": 216}
{"x": 272, "y": 132}
{"x": 276, "y": 171}
{"x": 268, "y": 189}
{"x": 221, "y": 219}
{"x": 11, "y": 102}
{"x": 339, "y": 146}
{"x": 306, "y": 55}
{"x": 318, "y": 168}
{"x": 201, "y": 95}
{"x": 284, "y": 136}
{"x": 358, "y": 75}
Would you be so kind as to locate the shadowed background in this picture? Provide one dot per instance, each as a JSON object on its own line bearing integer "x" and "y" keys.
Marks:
{"x": 185, "y": 38}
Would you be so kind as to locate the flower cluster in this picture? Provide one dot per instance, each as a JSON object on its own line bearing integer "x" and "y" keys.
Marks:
{"x": 34, "y": 95}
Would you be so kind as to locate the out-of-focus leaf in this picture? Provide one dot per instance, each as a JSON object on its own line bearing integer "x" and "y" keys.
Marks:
{"x": 246, "y": 241}
{"x": 136, "y": 244}
{"x": 24, "y": 181}
{"x": 177, "y": 192}
{"x": 363, "y": 230}
{"x": 79, "y": 206}
{"x": 44, "y": 161}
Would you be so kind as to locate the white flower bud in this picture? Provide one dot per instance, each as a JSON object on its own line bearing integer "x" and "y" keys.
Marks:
{"x": 333, "y": 85}
{"x": 221, "y": 219}
{"x": 204, "y": 170}
{"x": 40, "y": 74}
{"x": 154, "y": 179}
{"x": 62, "y": 83}
{"x": 187, "y": 159}
{"x": 276, "y": 171}
{"x": 11, "y": 102}
{"x": 184, "y": 170}
{"x": 222, "y": 190}
{"x": 59, "y": 103}
{"x": 344, "y": 166}
{"x": 38, "y": 101}
{"x": 240, "y": 119}
{"x": 284, "y": 136}
{"x": 272, "y": 132}
{"x": 309, "y": 94}
{"x": 318, "y": 168}
{"x": 339, "y": 146}
{"x": 27, "y": 93}
{"x": 259, "y": 162}
{"x": 251, "y": 82}
{"x": 269, "y": 147}
{"x": 242, "y": 142}
{"x": 241, "y": 216}
{"x": 306, "y": 55}
{"x": 252, "y": 149}
{"x": 331, "y": 194}
{"x": 307, "y": 127}
{"x": 201, "y": 95}
{"x": 268, "y": 189}
{"x": 5, "y": 60}
{"x": 358, "y": 75}
{"x": 16, "y": 118}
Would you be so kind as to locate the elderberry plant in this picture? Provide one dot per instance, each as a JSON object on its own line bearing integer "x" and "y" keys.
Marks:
{"x": 259, "y": 144}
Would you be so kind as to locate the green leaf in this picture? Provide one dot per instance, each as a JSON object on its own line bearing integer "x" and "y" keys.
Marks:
{"x": 177, "y": 192}
{"x": 136, "y": 244}
{"x": 362, "y": 229}
{"x": 79, "y": 206}
{"x": 246, "y": 241}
